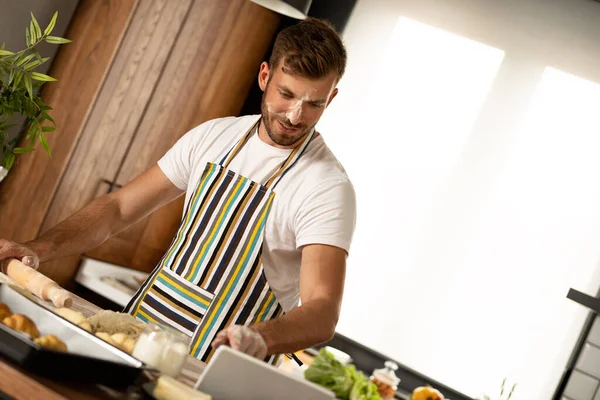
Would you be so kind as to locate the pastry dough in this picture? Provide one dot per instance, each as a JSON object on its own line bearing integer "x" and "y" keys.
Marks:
{"x": 5, "y": 311}
{"x": 51, "y": 342}
{"x": 113, "y": 322}
{"x": 86, "y": 325}
{"x": 119, "y": 340}
{"x": 71, "y": 315}
{"x": 129, "y": 345}
{"x": 124, "y": 342}
{"x": 21, "y": 323}
{"x": 106, "y": 337}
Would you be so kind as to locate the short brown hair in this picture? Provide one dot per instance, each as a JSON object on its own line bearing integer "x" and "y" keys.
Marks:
{"x": 312, "y": 48}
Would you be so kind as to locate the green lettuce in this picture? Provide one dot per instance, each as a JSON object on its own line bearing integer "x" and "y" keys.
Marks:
{"x": 328, "y": 372}
{"x": 363, "y": 389}
{"x": 346, "y": 382}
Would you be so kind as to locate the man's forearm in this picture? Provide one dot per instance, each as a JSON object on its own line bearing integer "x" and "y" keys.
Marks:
{"x": 303, "y": 327}
{"x": 84, "y": 230}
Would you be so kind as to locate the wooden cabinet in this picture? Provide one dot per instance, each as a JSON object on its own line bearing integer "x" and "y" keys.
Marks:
{"x": 161, "y": 67}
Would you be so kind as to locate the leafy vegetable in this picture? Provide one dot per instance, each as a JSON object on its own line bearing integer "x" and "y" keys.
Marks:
{"x": 345, "y": 382}
{"x": 363, "y": 389}
{"x": 328, "y": 372}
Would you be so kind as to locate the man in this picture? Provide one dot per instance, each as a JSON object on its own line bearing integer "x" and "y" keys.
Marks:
{"x": 268, "y": 218}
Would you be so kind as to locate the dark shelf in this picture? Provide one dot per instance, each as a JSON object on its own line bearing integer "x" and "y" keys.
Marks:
{"x": 593, "y": 303}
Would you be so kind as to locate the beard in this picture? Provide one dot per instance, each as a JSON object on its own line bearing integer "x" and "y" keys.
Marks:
{"x": 271, "y": 122}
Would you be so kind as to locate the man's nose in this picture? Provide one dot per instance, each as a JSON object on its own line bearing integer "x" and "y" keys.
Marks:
{"x": 295, "y": 113}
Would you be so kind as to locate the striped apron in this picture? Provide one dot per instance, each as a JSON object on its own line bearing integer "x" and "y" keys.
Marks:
{"x": 212, "y": 275}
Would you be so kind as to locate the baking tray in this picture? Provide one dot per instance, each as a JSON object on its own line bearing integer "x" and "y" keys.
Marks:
{"x": 89, "y": 359}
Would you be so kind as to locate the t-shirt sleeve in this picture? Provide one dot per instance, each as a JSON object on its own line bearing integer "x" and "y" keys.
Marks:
{"x": 327, "y": 216}
{"x": 177, "y": 163}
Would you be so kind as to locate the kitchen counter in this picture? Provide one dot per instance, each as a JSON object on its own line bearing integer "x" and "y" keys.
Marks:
{"x": 23, "y": 385}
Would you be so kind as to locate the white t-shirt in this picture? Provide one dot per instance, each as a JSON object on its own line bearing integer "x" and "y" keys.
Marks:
{"x": 314, "y": 202}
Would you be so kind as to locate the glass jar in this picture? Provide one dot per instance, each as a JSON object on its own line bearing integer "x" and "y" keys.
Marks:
{"x": 386, "y": 380}
{"x": 163, "y": 348}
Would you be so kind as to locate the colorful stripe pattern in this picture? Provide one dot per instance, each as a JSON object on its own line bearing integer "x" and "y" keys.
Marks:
{"x": 212, "y": 274}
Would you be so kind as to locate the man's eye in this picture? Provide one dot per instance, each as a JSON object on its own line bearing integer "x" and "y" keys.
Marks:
{"x": 286, "y": 96}
{"x": 315, "y": 105}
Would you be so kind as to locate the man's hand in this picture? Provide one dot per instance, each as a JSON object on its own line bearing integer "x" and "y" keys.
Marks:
{"x": 242, "y": 338}
{"x": 19, "y": 251}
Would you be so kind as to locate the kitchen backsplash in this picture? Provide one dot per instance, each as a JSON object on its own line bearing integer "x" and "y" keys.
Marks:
{"x": 584, "y": 383}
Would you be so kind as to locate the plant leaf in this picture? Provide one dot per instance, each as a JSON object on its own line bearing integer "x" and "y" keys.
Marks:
{"x": 37, "y": 54}
{"x": 9, "y": 161}
{"x": 48, "y": 128}
{"x": 57, "y": 40}
{"x": 48, "y": 117}
{"x": 32, "y": 65}
{"x": 6, "y": 53}
{"x": 38, "y": 31}
{"x": 27, "y": 37}
{"x": 42, "y": 77}
{"x": 24, "y": 60}
{"x": 50, "y": 26}
{"x": 32, "y": 32}
{"x": 33, "y": 131}
{"x": 27, "y": 80}
{"x": 18, "y": 77}
{"x": 45, "y": 145}
{"x": 21, "y": 150}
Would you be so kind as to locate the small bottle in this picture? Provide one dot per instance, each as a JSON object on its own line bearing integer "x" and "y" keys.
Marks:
{"x": 162, "y": 348}
{"x": 386, "y": 380}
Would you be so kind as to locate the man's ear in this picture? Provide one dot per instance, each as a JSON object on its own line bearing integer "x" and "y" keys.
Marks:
{"x": 333, "y": 94}
{"x": 263, "y": 76}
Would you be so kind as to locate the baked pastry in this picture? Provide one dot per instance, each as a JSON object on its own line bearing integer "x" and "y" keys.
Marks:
{"x": 124, "y": 342}
{"x": 85, "y": 325}
{"x": 4, "y": 311}
{"x": 21, "y": 323}
{"x": 51, "y": 342}
{"x": 106, "y": 337}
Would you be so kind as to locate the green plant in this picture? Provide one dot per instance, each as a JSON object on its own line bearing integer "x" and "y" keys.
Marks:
{"x": 503, "y": 392}
{"x": 18, "y": 80}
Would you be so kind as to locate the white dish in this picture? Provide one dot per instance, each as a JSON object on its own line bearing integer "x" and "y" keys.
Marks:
{"x": 93, "y": 273}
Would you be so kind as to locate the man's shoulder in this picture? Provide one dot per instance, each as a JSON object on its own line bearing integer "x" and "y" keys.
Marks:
{"x": 323, "y": 164}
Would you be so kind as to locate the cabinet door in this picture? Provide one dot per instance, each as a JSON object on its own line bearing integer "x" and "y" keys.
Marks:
{"x": 181, "y": 63}
{"x": 97, "y": 29}
{"x": 209, "y": 73}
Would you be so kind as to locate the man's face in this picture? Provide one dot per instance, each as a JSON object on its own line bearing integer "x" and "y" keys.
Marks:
{"x": 291, "y": 104}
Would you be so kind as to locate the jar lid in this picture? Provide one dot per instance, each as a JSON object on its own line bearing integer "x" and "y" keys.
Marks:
{"x": 166, "y": 332}
{"x": 387, "y": 375}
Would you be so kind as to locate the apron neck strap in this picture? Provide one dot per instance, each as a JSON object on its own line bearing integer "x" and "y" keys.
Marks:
{"x": 294, "y": 156}
{"x": 238, "y": 146}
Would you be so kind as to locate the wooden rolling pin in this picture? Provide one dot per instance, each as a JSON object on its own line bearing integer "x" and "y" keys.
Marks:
{"x": 38, "y": 284}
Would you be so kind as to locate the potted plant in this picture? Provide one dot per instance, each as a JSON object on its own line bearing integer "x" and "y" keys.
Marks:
{"x": 18, "y": 81}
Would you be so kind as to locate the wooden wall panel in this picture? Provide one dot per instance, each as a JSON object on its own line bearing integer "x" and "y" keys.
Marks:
{"x": 96, "y": 29}
{"x": 120, "y": 106}
{"x": 212, "y": 67}
{"x": 115, "y": 118}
